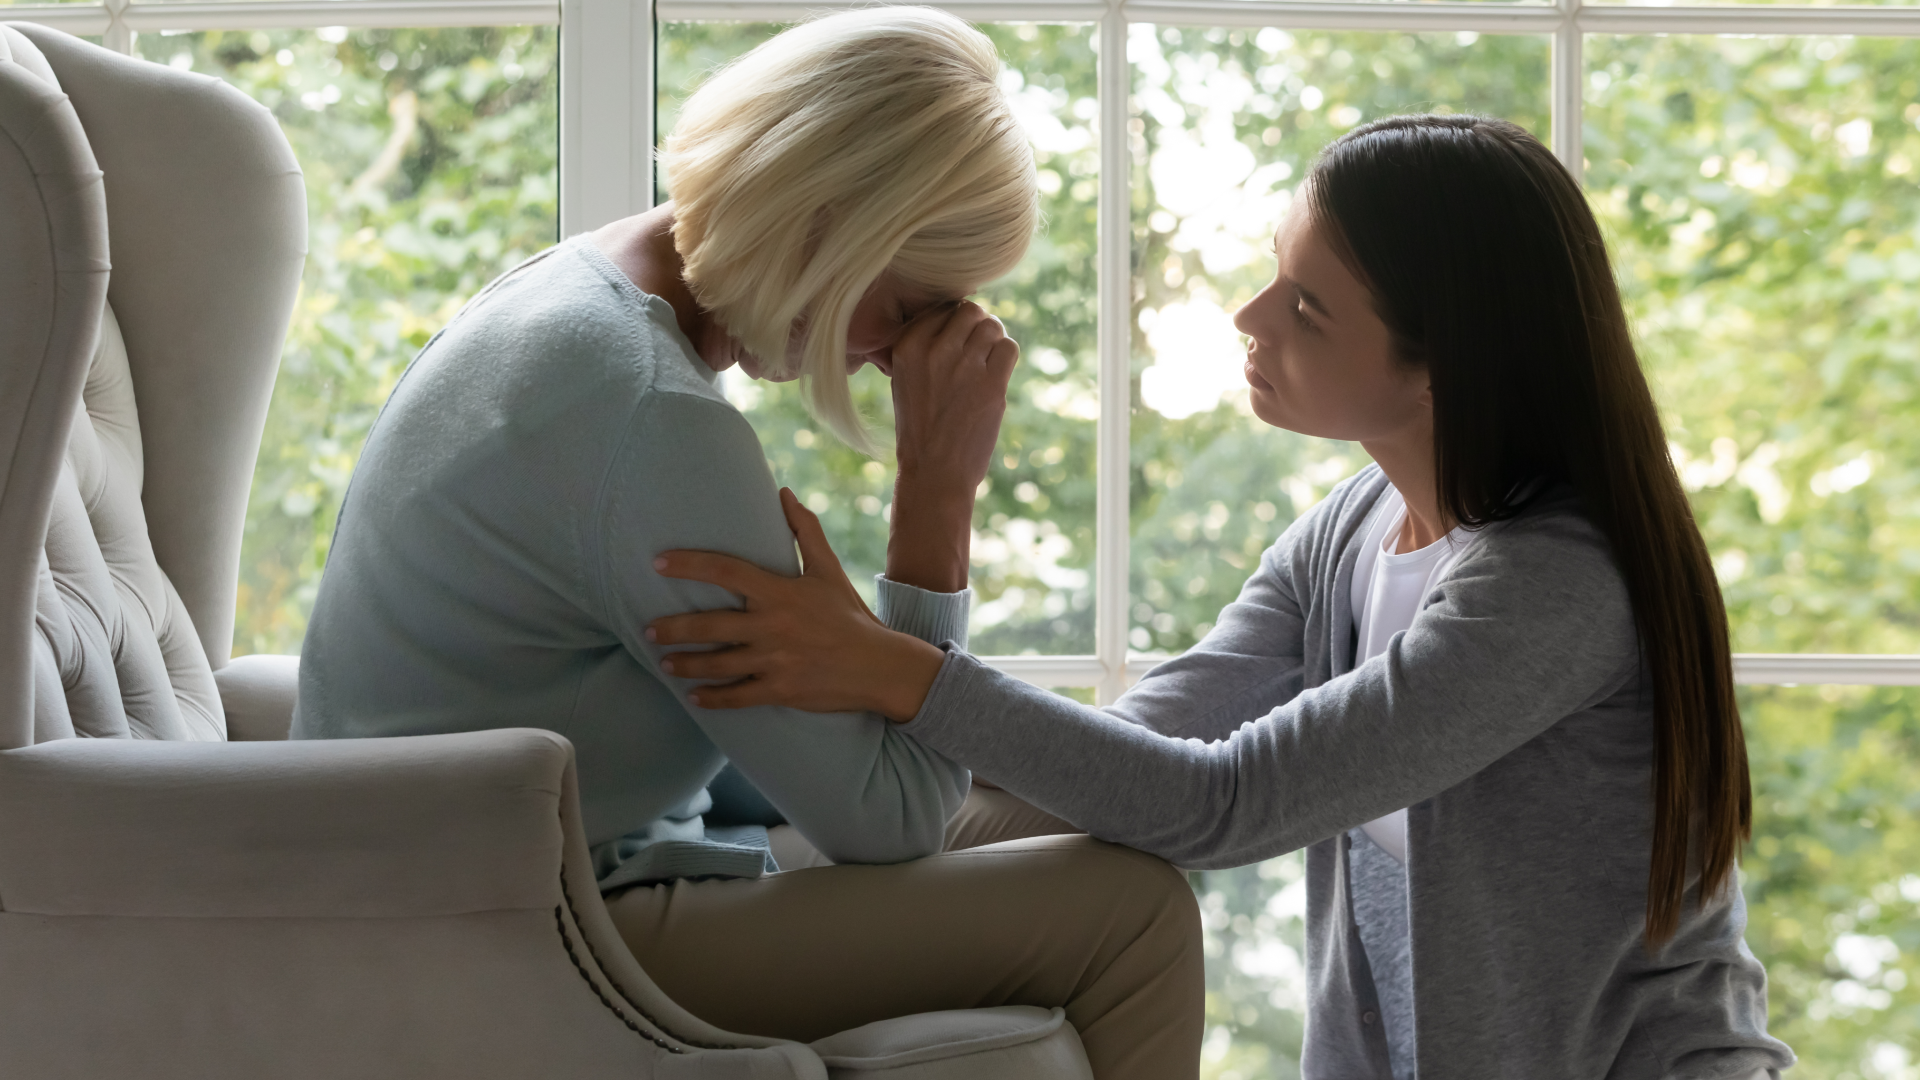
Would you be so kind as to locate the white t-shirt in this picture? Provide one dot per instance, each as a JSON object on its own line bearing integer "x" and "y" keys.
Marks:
{"x": 1388, "y": 589}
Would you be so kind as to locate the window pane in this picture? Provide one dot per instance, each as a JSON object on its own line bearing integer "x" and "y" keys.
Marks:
{"x": 1253, "y": 921}
{"x": 1225, "y": 123}
{"x": 1833, "y": 874}
{"x": 1761, "y": 193}
{"x": 1033, "y": 543}
{"x": 430, "y": 160}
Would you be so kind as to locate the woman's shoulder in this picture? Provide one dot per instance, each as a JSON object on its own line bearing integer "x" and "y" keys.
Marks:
{"x": 1551, "y": 549}
{"x": 1553, "y": 528}
{"x": 567, "y": 324}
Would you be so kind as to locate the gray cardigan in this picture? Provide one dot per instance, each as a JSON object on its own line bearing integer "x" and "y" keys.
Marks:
{"x": 1511, "y": 719}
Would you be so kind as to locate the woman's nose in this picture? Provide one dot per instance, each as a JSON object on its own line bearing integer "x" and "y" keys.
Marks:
{"x": 1247, "y": 318}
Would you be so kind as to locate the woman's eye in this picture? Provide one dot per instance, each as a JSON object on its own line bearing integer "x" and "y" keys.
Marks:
{"x": 1300, "y": 316}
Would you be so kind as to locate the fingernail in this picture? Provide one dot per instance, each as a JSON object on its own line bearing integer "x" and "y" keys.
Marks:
{"x": 660, "y": 563}
{"x": 694, "y": 698}
{"x": 651, "y": 636}
{"x": 665, "y": 665}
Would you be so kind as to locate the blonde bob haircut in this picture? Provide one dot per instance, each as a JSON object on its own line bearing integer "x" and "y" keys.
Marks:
{"x": 851, "y": 144}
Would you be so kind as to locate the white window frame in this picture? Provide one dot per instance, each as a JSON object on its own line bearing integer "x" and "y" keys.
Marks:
{"x": 606, "y": 136}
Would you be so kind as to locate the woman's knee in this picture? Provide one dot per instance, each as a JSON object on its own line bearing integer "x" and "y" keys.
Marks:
{"x": 1165, "y": 898}
{"x": 1140, "y": 896}
{"x": 991, "y": 816}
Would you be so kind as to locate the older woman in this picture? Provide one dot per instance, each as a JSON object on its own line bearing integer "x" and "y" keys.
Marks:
{"x": 839, "y": 191}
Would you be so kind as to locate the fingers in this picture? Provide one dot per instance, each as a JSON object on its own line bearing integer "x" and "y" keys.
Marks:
{"x": 739, "y": 695}
{"x": 731, "y": 574}
{"x": 1003, "y": 358}
{"x": 928, "y": 327}
{"x": 971, "y": 333}
{"x": 814, "y": 549}
{"x": 997, "y": 352}
{"x": 951, "y": 332}
{"x": 700, "y": 628}
{"x": 735, "y": 663}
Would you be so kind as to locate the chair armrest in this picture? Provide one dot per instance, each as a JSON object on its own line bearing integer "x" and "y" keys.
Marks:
{"x": 258, "y": 694}
{"x": 420, "y": 826}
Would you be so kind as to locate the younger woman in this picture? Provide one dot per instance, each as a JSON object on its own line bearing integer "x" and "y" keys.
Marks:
{"x": 1486, "y": 683}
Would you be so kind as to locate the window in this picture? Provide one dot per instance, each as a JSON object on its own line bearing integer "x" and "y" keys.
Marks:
{"x": 1757, "y": 167}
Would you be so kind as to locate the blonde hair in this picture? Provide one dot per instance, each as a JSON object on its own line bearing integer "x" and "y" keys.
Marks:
{"x": 845, "y": 146}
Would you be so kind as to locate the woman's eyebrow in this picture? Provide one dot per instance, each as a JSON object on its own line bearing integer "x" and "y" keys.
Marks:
{"x": 1308, "y": 298}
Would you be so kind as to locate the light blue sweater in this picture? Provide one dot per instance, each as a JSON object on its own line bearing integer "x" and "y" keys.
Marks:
{"x": 493, "y": 567}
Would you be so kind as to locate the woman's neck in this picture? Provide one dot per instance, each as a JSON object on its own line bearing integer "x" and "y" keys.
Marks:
{"x": 642, "y": 247}
{"x": 1408, "y": 460}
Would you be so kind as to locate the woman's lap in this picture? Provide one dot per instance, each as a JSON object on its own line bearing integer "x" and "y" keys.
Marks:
{"x": 1108, "y": 933}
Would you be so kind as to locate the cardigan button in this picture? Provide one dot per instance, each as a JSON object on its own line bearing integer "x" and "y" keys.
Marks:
{"x": 1369, "y": 1016}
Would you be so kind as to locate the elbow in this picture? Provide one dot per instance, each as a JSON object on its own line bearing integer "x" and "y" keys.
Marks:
{"x": 912, "y": 828}
{"x": 900, "y": 815}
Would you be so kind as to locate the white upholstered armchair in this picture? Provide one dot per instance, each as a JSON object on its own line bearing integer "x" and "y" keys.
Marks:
{"x": 176, "y": 904}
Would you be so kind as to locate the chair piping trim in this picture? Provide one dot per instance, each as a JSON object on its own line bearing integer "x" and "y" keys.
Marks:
{"x": 566, "y": 938}
{"x": 560, "y": 921}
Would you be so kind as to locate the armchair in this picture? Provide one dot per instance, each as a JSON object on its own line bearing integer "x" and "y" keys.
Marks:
{"x": 182, "y": 893}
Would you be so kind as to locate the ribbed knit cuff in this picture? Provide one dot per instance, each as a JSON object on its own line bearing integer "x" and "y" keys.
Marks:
{"x": 930, "y": 616}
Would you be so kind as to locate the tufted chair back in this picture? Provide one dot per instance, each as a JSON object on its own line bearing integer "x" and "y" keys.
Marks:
{"x": 203, "y": 214}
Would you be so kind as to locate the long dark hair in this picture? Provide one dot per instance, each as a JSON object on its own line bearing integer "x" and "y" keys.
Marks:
{"x": 1489, "y": 270}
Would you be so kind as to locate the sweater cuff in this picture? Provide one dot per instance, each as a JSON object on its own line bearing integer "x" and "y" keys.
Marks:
{"x": 930, "y": 616}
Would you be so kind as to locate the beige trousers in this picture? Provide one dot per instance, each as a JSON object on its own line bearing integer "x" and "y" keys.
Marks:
{"x": 1105, "y": 932}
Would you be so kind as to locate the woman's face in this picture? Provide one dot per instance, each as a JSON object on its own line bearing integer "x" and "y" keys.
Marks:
{"x": 1319, "y": 358}
{"x": 879, "y": 320}
{"x": 882, "y": 317}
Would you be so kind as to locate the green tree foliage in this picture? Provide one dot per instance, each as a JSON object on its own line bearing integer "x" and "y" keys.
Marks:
{"x": 1762, "y": 199}
{"x": 430, "y": 161}
{"x": 1760, "y": 195}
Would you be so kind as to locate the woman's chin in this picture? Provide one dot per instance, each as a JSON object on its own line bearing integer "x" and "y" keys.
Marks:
{"x": 1267, "y": 409}
{"x": 1272, "y": 411}
{"x": 752, "y": 368}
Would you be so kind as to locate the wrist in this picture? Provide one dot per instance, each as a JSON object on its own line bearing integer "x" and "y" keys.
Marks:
{"x": 939, "y": 484}
{"x": 930, "y": 537}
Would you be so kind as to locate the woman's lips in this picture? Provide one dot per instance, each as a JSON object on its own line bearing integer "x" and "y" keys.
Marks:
{"x": 1253, "y": 377}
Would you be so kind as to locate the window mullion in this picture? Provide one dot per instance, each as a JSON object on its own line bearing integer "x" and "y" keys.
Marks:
{"x": 1568, "y": 102}
{"x": 118, "y": 35}
{"x": 1115, "y": 287}
{"x": 606, "y": 112}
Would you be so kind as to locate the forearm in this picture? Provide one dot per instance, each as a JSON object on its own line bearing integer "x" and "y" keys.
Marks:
{"x": 931, "y": 533}
{"x": 1120, "y": 782}
{"x": 858, "y": 796}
